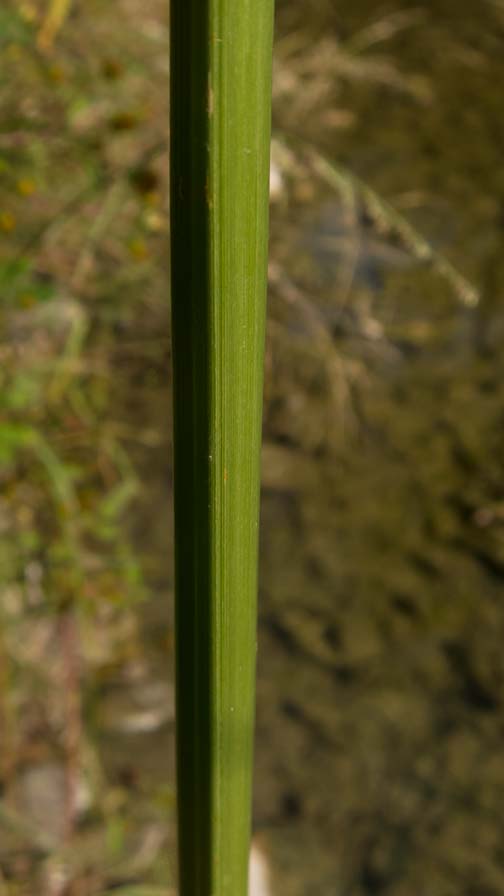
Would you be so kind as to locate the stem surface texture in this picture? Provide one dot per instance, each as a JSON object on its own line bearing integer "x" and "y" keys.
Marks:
{"x": 220, "y": 135}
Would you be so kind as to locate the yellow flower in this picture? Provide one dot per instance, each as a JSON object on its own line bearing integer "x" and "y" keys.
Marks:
{"x": 26, "y": 186}
{"x": 154, "y": 221}
{"x": 7, "y": 222}
{"x": 138, "y": 249}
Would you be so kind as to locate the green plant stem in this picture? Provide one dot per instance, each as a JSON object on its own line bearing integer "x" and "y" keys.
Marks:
{"x": 220, "y": 135}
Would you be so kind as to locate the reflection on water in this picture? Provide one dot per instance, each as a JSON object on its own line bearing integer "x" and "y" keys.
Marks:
{"x": 339, "y": 238}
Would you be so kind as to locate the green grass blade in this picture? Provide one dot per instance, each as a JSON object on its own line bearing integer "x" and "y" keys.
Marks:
{"x": 220, "y": 130}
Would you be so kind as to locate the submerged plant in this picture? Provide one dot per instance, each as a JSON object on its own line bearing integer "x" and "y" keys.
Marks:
{"x": 220, "y": 134}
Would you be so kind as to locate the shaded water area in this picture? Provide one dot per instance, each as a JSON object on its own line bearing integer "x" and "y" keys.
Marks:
{"x": 381, "y": 670}
{"x": 380, "y": 717}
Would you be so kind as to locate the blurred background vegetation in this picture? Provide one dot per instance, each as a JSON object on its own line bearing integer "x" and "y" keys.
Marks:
{"x": 381, "y": 671}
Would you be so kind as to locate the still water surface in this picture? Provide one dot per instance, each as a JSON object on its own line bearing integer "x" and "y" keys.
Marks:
{"x": 380, "y": 697}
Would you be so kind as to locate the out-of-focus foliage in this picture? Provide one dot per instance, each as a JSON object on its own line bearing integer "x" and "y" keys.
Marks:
{"x": 83, "y": 334}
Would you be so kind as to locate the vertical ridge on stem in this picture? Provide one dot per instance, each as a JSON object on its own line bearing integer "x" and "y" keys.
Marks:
{"x": 220, "y": 132}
